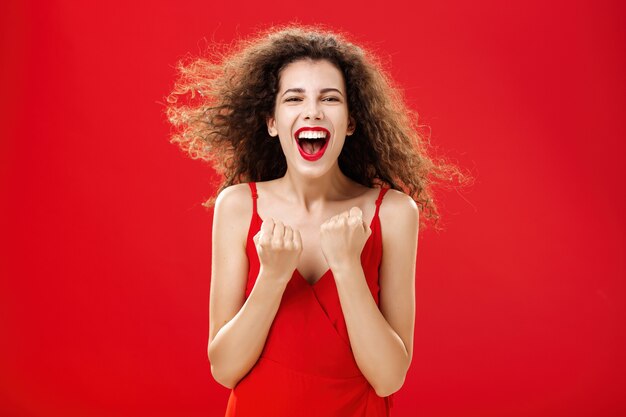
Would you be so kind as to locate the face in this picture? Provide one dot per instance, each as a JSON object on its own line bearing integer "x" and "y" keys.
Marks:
{"x": 311, "y": 116}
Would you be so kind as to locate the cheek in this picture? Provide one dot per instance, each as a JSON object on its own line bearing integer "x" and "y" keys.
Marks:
{"x": 341, "y": 117}
{"x": 285, "y": 119}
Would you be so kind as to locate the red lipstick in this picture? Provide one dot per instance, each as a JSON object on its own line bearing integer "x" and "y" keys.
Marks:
{"x": 320, "y": 152}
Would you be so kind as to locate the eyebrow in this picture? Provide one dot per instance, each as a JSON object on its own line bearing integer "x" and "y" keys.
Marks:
{"x": 302, "y": 90}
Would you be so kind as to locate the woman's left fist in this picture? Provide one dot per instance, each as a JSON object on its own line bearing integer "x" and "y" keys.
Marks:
{"x": 342, "y": 238}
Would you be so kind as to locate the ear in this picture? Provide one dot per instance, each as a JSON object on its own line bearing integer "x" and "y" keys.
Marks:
{"x": 271, "y": 126}
{"x": 351, "y": 126}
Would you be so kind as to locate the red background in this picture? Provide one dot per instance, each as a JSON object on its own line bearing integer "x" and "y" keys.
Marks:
{"x": 105, "y": 255}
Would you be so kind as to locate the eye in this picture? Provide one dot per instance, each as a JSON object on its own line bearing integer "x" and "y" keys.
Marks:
{"x": 331, "y": 98}
{"x": 293, "y": 98}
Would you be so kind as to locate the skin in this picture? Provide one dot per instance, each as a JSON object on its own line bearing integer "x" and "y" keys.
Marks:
{"x": 315, "y": 218}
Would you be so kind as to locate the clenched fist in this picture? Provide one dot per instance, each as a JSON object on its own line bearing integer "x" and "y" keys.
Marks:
{"x": 343, "y": 237}
{"x": 279, "y": 248}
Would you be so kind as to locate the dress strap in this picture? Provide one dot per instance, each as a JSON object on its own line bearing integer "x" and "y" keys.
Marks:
{"x": 382, "y": 193}
{"x": 254, "y": 196}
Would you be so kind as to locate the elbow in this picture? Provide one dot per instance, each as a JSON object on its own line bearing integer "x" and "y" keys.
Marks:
{"x": 392, "y": 383}
{"x": 222, "y": 379}
{"x": 218, "y": 373}
{"x": 386, "y": 390}
{"x": 394, "y": 380}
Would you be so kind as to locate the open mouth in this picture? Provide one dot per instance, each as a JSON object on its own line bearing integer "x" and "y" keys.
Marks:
{"x": 312, "y": 142}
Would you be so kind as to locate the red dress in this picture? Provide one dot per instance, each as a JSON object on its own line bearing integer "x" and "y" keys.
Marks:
{"x": 307, "y": 368}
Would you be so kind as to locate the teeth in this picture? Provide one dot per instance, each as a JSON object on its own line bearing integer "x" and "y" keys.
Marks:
{"x": 312, "y": 134}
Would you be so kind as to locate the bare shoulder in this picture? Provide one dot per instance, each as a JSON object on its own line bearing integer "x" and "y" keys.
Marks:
{"x": 398, "y": 210}
{"x": 235, "y": 197}
{"x": 233, "y": 204}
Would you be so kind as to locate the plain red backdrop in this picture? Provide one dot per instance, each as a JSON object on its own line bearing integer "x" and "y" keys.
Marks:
{"x": 105, "y": 262}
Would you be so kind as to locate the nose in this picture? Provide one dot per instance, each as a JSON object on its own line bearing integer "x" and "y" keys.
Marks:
{"x": 313, "y": 111}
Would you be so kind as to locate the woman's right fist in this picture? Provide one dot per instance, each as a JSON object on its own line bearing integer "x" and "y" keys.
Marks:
{"x": 279, "y": 248}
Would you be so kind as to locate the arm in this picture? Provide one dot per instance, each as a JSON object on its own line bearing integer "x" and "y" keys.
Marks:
{"x": 382, "y": 340}
{"x": 237, "y": 329}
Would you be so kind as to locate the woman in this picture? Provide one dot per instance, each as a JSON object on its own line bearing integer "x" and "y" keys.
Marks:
{"x": 312, "y": 303}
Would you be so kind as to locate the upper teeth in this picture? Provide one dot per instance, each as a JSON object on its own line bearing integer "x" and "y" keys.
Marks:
{"x": 312, "y": 134}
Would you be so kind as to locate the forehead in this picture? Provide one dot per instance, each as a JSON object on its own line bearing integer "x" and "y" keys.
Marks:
{"x": 310, "y": 75}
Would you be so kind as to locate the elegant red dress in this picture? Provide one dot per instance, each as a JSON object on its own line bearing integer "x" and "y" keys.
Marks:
{"x": 307, "y": 368}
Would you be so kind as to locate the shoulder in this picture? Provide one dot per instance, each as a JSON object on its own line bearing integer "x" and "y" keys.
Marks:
{"x": 232, "y": 205}
{"x": 398, "y": 213}
{"x": 234, "y": 197}
{"x": 396, "y": 203}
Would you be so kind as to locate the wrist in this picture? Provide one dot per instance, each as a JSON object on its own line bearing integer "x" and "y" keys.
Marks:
{"x": 273, "y": 278}
{"x": 347, "y": 267}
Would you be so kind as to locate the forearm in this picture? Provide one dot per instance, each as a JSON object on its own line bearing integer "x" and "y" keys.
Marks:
{"x": 238, "y": 344}
{"x": 378, "y": 350}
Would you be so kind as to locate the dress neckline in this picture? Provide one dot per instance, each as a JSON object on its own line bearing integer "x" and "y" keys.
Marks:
{"x": 328, "y": 271}
{"x": 381, "y": 194}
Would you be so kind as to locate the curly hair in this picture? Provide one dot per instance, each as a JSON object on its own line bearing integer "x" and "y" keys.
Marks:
{"x": 220, "y": 104}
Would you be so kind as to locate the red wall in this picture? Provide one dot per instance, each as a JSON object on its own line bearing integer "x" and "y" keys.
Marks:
{"x": 104, "y": 264}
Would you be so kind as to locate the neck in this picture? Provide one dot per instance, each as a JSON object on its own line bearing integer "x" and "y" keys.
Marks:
{"x": 316, "y": 192}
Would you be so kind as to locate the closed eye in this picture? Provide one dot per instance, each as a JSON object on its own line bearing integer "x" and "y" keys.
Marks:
{"x": 327, "y": 99}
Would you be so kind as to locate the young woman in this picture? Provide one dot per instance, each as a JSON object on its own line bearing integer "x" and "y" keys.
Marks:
{"x": 312, "y": 302}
